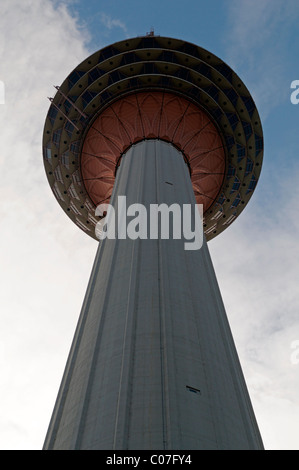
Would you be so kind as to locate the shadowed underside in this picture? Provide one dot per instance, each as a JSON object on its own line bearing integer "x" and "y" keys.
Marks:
{"x": 153, "y": 115}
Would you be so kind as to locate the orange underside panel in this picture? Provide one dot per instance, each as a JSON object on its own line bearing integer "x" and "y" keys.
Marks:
{"x": 149, "y": 115}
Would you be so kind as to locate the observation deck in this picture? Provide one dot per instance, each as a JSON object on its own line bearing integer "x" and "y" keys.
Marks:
{"x": 153, "y": 87}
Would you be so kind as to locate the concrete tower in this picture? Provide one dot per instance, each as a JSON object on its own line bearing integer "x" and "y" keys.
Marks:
{"x": 153, "y": 363}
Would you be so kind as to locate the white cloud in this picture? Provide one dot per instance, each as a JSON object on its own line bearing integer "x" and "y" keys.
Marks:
{"x": 111, "y": 23}
{"x": 256, "y": 261}
{"x": 40, "y": 45}
{"x": 259, "y": 36}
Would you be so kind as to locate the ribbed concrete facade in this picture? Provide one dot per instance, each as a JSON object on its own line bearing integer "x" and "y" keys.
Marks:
{"x": 153, "y": 364}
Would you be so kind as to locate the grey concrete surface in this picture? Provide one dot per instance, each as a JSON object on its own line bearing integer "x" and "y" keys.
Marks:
{"x": 153, "y": 364}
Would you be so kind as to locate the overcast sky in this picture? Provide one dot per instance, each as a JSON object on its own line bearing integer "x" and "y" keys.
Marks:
{"x": 46, "y": 260}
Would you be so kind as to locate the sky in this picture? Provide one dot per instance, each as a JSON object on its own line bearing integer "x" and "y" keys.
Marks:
{"x": 45, "y": 260}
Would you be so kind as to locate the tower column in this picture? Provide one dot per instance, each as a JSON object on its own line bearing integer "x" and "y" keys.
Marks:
{"x": 153, "y": 364}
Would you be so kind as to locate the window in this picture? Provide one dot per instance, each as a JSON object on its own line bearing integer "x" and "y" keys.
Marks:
{"x": 56, "y": 136}
{"x": 252, "y": 184}
{"x": 92, "y": 219}
{"x": 217, "y": 215}
{"x": 69, "y": 128}
{"x": 231, "y": 171}
{"x": 47, "y": 152}
{"x": 76, "y": 178}
{"x": 211, "y": 229}
{"x": 247, "y": 129}
{"x": 241, "y": 152}
{"x": 232, "y": 95}
{"x": 221, "y": 199}
{"x": 225, "y": 70}
{"x": 236, "y": 185}
{"x": 230, "y": 219}
{"x": 249, "y": 167}
{"x": 233, "y": 119}
{"x": 82, "y": 226}
{"x": 58, "y": 174}
{"x": 73, "y": 192}
{"x": 87, "y": 97}
{"x": 258, "y": 144}
{"x": 89, "y": 206}
{"x": 57, "y": 192}
{"x": 236, "y": 201}
{"x": 94, "y": 74}
{"x": 52, "y": 114}
{"x": 75, "y": 148}
{"x": 74, "y": 77}
{"x": 74, "y": 208}
{"x": 65, "y": 159}
{"x": 249, "y": 104}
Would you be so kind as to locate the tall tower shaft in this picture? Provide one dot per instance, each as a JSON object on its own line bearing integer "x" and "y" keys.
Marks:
{"x": 153, "y": 363}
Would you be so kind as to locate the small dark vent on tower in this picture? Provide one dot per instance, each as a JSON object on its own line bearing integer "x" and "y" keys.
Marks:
{"x": 193, "y": 390}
